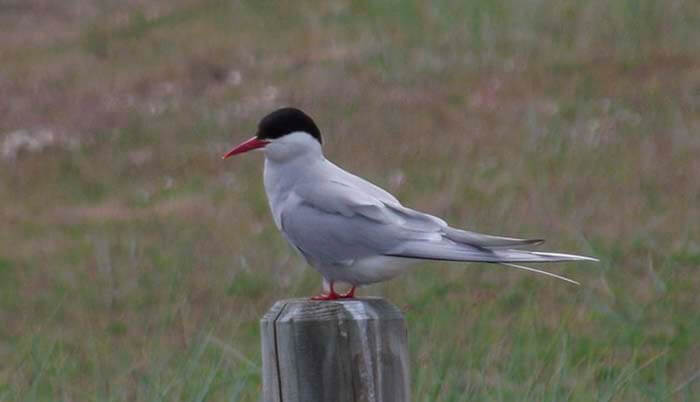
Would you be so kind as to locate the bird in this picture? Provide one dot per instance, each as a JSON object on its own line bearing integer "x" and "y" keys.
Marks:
{"x": 354, "y": 232}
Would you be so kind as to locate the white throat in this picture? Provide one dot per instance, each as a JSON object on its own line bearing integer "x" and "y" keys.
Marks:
{"x": 289, "y": 159}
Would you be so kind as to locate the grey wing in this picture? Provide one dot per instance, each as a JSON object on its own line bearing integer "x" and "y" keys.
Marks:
{"x": 333, "y": 238}
{"x": 351, "y": 218}
{"x": 353, "y": 195}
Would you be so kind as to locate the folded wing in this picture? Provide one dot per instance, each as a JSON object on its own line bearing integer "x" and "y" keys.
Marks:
{"x": 336, "y": 223}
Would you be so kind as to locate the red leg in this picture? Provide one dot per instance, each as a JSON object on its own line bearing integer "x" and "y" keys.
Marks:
{"x": 328, "y": 296}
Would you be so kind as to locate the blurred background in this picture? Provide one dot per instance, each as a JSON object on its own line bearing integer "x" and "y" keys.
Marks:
{"x": 135, "y": 263}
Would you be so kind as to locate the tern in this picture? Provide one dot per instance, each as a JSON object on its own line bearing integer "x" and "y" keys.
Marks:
{"x": 353, "y": 231}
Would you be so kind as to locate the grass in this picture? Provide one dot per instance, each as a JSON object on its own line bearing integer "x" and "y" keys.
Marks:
{"x": 135, "y": 265}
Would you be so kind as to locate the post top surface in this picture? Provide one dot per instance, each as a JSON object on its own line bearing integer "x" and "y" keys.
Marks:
{"x": 365, "y": 308}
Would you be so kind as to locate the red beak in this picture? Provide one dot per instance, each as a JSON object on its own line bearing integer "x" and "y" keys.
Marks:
{"x": 249, "y": 145}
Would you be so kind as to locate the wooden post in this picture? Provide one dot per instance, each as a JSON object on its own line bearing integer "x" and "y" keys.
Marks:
{"x": 340, "y": 351}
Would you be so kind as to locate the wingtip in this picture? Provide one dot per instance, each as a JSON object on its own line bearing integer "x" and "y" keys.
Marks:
{"x": 535, "y": 242}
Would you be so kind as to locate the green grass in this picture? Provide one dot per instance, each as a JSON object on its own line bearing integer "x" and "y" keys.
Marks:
{"x": 135, "y": 267}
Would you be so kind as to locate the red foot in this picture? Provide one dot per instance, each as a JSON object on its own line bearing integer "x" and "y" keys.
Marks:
{"x": 335, "y": 296}
{"x": 326, "y": 296}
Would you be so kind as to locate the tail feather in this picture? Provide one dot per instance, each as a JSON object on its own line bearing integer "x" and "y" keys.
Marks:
{"x": 462, "y": 252}
{"x": 539, "y": 271}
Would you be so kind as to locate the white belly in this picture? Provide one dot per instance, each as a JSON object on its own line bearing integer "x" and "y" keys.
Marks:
{"x": 366, "y": 270}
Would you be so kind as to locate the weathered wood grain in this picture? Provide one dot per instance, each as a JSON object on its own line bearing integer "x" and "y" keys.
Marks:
{"x": 342, "y": 351}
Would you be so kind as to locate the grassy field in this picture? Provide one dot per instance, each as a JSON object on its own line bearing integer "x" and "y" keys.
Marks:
{"x": 135, "y": 263}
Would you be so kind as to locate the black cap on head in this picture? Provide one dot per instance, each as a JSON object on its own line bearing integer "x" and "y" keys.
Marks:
{"x": 284, "y": 121}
